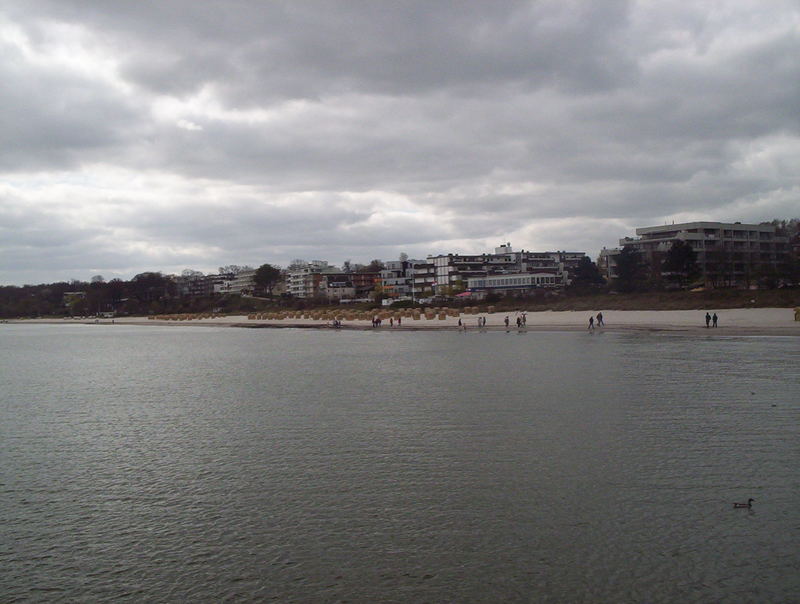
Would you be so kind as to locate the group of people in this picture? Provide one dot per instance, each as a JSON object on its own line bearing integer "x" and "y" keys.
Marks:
{"x": 377, "y": 321}
{"x": 600, "y": 322}
{"x": 463, "y": 326}
{"x": 522, "y": 320}
{"x": 711, "y": 321}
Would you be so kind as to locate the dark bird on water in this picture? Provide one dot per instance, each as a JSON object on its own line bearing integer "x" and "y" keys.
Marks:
{"x": 749, "y": 504}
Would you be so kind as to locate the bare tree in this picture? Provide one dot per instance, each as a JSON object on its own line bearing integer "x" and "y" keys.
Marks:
{"x": 233, "y": 269}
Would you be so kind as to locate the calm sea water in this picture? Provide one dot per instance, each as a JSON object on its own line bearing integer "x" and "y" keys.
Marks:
{"x": 212, "y": 464}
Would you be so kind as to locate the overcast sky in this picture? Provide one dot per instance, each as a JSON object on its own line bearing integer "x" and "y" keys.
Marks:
{"x": 171, "y": 134}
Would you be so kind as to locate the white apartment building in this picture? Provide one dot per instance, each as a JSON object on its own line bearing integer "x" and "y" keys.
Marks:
{"x": 304, "y": 281}
{"x": 397, "y": 277}
{"x": 243, "y": 283}
{"x": 452, "y": 272}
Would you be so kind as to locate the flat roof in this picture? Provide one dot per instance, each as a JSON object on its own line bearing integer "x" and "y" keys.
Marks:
{"x": 683, "y": 226}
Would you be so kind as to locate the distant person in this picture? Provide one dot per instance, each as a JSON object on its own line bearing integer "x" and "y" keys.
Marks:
{"x": 506, "y": 320}
{"x": 600, "y": 320}
{"x": 391, "y": 321}
{"x": 524, "y": 319}
{"x": 519, "y": 321}
{"x": 459, "y": 323}
{"x": 708, "y": 319}
{"x": 399, "y": 321}
{"x": 714, "y": 319}
{"x": 591, "y": 323}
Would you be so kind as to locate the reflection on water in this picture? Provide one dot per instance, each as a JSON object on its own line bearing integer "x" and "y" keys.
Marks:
{"x": 205, "y": 464}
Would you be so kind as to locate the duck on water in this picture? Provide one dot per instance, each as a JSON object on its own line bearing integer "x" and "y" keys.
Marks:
{"x": 749, "y": 504}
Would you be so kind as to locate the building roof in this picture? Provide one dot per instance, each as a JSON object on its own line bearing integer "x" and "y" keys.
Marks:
{"x": 705, "y": 225}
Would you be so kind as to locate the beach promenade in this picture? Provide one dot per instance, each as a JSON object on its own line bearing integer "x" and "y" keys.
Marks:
{"x": 739, "y": 321}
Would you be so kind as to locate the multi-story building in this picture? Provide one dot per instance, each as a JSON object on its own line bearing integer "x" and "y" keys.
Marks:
{"x": 453, "y": 270}
{"x": 243, "y": 283}
{"x": 515, "y": 283}
{"x": 198, "y": 285}
{"x": 337, "y": 286}
{"x": 364, "y": 282}
{"x": 348, "y": 286}
{"x": 397, "y": 278}
{"x": 423, "y": 280}
{"x": 304, "y": 280}
{"x": 607, "y": 263}
{"x": 794, "y": 246}
{"x": 727, "y": 253}
{"x": 451, "y": 273}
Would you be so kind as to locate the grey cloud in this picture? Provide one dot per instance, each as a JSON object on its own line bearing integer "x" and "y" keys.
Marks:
{"x": 54, "y": 121}
{"x": 486, "y": 118}
{"x": 262, "y": 51}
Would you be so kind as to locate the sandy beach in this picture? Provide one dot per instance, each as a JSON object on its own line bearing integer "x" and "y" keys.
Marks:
{"x": 740, "y": 321}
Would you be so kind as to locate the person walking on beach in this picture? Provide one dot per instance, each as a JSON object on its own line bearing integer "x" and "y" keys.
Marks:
{"x": 708, "y": 319}
{"x": 714, "y": 319}
{"x": 399, "y": 321}
{"x": 591, "y": 323}
{"x": 459, "y": 323}
{"x": 600, "y": 322}
{"x": 506, "y": 320}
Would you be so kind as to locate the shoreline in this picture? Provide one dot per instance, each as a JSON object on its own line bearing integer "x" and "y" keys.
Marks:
{"x": 732, "y": 322}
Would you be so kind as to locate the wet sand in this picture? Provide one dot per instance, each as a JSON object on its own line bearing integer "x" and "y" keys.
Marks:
{"x": 739, "y": 321}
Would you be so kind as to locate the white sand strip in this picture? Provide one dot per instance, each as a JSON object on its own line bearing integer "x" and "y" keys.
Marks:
{"x": 767, "y": 321}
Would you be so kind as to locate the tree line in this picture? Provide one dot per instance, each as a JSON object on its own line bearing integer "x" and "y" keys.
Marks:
{"x": 148, "y": 292}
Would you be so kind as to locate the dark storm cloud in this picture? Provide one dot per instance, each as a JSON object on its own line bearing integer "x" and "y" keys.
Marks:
{"x": 251, "y": 131}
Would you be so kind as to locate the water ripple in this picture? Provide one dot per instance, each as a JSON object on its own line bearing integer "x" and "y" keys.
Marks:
{"x": 217, "y": 465}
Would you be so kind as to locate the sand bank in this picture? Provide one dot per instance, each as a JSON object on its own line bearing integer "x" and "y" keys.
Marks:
{"x": 740, "y": 321}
